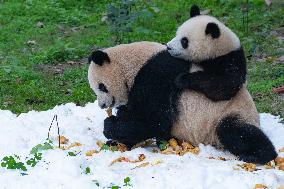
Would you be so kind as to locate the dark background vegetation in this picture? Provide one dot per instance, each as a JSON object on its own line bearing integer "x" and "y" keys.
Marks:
{"x": 44, "y": 44}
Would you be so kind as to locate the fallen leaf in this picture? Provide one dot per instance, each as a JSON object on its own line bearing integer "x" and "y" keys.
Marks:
{"x": 271, "y": 163}
{"x": 121, "y": 147}
{"x": 187, "y": 145}
{"x": 142, "y": 165}
{"x": 91, "y": 152}
{"x": 248, "y": 167}
{"x": 141, "y": 157}
{"x": 196, "y": 150}
{"x": 63, "y": 140}
{"x": 236, "y": 168}
{"x": 156, "y": 162}
{"x": 168, "y": 151}
{"x": 174, "y": 148}
{"x": 75, "y": 144}
{"x": 154, "y": 150}
{"x": 100, "y": 144}
{"x": 120, "y": 159}
{"x": 222, "y": 158}
{"x": 173, "y": 143}
{"x": 279, "y": 160}
{"x": 258, "y": 186}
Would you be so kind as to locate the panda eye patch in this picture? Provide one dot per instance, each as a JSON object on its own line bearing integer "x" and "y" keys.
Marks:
{"x": 103, "y": 88}
{"x": 184, "y": 42}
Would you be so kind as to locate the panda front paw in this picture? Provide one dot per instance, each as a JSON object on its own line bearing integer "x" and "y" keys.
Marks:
{"x": 112, "y": 143}
{"x": 182, "y": 81}
{"x": 110, "y": 127}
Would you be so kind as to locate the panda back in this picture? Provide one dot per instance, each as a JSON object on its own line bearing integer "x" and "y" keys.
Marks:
{"x": 153, "y": 96}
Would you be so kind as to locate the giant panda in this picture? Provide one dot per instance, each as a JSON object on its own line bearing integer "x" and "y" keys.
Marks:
{"x": 217, "y": 58}
{"x": 157, "y": 108}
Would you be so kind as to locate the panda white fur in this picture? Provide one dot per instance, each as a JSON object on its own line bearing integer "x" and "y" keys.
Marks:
{"x": 156, "y": 108}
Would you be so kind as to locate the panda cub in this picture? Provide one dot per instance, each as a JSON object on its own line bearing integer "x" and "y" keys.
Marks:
{"x": 219, "y": 64}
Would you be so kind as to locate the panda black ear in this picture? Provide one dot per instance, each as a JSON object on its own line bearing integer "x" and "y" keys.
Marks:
{"x": 99, "y": 57}
{"x": 194, "y": 11}
{"x": 213, "y": 29}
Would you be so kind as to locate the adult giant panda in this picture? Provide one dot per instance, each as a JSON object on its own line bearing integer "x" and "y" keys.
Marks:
{"x": 156, "y": 108}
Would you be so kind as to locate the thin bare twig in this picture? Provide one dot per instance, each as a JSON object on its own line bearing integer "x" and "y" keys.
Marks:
{"x": 58, "y": 133}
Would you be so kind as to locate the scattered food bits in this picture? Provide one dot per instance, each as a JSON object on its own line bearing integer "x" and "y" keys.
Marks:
{"x": 248, "y": 167}
{"x": 196, "y": 150}
{"x": 277, "y": 163}
{"x": 168, "y": 151}
{"x": 141, "y": 157}
{"x": 173, "y": 143}
{"x": 63, "y": 140}
{"x": 268, "y": 166}
{"x": 100, "y": 144}
{"x": 280, "y": 187}
{"x": 91, "y": 152}
{"x": 279, "y": 160}
{"x": 281, "y": 150}
{"x": 142, "y": 165}
{"x": 185, "y": 147}
{"x": 222, "y": 158}
{"x": 156, "y": 162}
{"x": 154, "y": 150}
{"x": 271, "y": 164}
{"x": 109, "y": 112}
{"x": 74, "y": 144}
{"x": 260, "y": 186}
{"x": 153, "y": 163}
{"x": 120, "y": 159}
{"x": 121, "y": 147}
{"x": 219, "y": 158}
{"x": 146, "y": 143}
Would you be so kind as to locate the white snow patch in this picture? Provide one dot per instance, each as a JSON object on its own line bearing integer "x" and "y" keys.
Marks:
{"x": 18, "y": 134}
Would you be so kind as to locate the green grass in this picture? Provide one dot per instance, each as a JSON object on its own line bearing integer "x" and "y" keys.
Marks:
{"x": 29, "y": 77}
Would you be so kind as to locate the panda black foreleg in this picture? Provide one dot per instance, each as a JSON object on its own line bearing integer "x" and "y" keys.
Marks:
{"x": 128, "y": 132}
{"x": 213, "y": 86}
{"x": 246, "y": 141}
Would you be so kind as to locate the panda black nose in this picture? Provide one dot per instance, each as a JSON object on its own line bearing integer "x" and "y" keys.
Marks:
{"x": 169, "y": 48}
{"x": 103, "y": 106}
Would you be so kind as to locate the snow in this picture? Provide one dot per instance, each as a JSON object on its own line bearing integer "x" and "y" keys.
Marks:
{"x": 19, "y": 134}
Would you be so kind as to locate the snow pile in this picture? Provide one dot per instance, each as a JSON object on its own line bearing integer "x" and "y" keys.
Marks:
{"x": 57, "y": 169}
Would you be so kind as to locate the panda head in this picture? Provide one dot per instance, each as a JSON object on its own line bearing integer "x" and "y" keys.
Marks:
{"x": 112, "y": 71}
{"x": 107, "y": 80}
{"x": 202, "y": 37}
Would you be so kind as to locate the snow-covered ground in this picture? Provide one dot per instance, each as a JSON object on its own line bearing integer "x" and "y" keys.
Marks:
{"x": 19, "y": 134}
